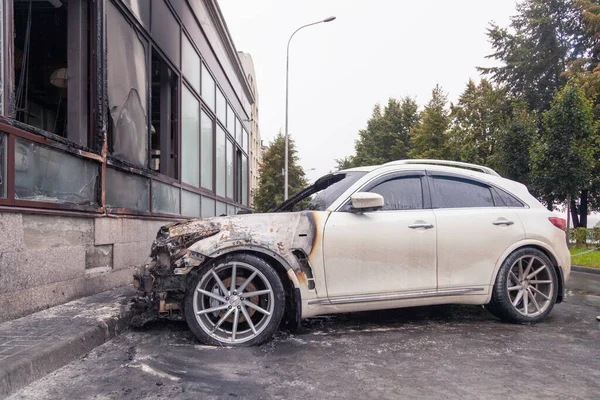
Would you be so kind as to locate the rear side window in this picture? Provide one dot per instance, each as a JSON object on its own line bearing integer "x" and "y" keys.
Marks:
{"x": 401, "y": 193}
{"x": 450, "y": 192}
{"x": 503, "y": 199}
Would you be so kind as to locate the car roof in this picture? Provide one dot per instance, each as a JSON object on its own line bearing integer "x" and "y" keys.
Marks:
{"x": 468, "y": 170}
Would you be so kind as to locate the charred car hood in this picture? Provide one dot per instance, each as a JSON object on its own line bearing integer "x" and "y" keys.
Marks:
{"x": 279, "y": 233}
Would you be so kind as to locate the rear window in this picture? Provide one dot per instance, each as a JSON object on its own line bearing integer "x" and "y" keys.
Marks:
{"x": 450, "y": 192}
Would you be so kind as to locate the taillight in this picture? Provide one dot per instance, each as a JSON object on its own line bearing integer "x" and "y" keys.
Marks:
{"x": 560, "y": 223}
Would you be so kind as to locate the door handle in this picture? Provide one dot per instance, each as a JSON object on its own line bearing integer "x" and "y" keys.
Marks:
{"x": 503, "y": 222}
{"x": 417, "y": 226}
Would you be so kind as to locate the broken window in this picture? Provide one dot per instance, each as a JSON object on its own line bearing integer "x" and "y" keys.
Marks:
{"x": 206, "y": 146}
{"x": 165, "y": 198}
{"x": 127, "y": 93}
{"x": 208, "y": 207}
{"x": 125, "y": 190}
{"x": 164, "y": 118}
{"x": 51, "y": 66}
{"x": 220, "y": 162}
{"x": 190, "y": 204}
{"x": 2, "y": 165}
{"x": 208, "y": 88}
{"x": 190, "y": 139}
{"x": 48, "y": 175}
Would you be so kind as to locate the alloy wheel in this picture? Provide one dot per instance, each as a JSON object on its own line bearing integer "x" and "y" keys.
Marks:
{"x": 233, "y": 302}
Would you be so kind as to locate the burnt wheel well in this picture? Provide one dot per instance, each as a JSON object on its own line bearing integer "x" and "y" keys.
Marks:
{"x": 559, "y": 274}
{"x": 291, "y": 318}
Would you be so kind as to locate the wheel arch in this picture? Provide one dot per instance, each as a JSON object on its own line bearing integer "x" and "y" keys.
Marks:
{"x": 293, "y": 296}
{"x": 544, "y": 248}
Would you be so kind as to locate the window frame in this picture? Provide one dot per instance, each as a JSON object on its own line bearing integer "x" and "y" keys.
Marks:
{"x": 471, "y": 180}
{"x": 387, "y": 176}
{"x": 97, "y": 118}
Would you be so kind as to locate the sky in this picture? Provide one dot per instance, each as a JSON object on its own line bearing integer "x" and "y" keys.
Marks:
{"x": 339, "y": 70}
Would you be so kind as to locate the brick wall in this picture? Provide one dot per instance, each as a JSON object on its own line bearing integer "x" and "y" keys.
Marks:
{"x": 50, "y": 260}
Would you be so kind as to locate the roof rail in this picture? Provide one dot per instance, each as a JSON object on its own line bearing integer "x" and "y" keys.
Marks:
{"x": 475, "y": 167}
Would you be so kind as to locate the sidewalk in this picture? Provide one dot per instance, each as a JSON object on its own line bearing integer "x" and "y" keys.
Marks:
{"x": 37, "y": 344}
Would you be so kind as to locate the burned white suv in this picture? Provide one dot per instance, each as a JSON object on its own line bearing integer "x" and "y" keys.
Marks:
{"x": 407, "y": 233}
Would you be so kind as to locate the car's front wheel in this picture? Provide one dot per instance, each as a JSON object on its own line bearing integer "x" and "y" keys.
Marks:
{"x": 238, "y": 300}
{"x": 526, "y": 287}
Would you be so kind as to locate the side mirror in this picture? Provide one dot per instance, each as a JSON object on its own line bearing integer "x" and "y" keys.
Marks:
{"x": 365, "y": 201}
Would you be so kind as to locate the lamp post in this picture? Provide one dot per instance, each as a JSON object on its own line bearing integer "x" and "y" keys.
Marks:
{"x": 287, "y": 74}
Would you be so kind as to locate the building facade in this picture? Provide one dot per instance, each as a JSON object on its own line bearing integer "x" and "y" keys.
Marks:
{"x": 116, "y": 116}
{"x": 255, "y": 139}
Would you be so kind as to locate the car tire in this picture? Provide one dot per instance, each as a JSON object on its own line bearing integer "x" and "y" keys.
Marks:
{"x": 526, "y": 287}
{"x": 246, "y": 313}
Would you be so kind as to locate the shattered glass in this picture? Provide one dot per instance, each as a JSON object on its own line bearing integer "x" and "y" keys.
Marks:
{"x": 48, "y": 175}
{"x": 127, "y": 92}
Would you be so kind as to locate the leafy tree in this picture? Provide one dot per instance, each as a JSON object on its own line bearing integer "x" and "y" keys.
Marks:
{"x": 478, "y": 120}
{"x": 514, "y": 142}
{"x": 387, "y": 135}
{"x": 562, "y": 155}
{"x": 429, "y": 137}
{"x": 535, "y": 51}
{"x": 270, "y": 185}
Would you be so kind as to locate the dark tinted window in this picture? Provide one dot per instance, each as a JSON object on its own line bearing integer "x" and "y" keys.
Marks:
{"x": 401, "y": 193}
{"x": 457, "y": 193}
{"x": 504, "y": 199}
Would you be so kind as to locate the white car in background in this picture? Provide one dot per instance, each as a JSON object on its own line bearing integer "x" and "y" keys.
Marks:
{"x": 403, "y": 234}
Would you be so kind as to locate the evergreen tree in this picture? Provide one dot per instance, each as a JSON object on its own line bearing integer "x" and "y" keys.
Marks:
{"x": 270, "y": 185}
{"x": 429, "y": 138}
{"x": 514, "y": 142}
{"x": 535, "y": 51}
{"x": 387, "y": 135}
{"x": 562, "y": 155}
{"x": 478, "y": 120}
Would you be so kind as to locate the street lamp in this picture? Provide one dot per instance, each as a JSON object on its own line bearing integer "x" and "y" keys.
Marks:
{"x": 287, "y": 74}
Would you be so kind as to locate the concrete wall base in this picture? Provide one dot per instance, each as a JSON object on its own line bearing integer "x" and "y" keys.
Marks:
{"x": 50, "y": 260}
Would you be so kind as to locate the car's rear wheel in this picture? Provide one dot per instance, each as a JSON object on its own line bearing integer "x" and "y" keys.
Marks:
{"x": 235, "y": 301}
{"x": 526, "y": 287}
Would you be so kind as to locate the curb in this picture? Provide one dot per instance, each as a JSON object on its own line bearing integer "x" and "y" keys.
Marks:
{"x": 588, "y": 270}
{"x": 20, "y": 370}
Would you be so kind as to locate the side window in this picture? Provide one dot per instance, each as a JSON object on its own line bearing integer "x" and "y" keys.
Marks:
{"x": 401, "y": 193}
{"x": 452, "y": 192}
{"x": 503, "y": 199}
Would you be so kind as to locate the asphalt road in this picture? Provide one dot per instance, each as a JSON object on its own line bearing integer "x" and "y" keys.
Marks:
{"x": 428, "y": 352}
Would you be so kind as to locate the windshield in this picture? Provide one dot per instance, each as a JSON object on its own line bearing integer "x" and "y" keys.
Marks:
{"x": 326, "y": 190}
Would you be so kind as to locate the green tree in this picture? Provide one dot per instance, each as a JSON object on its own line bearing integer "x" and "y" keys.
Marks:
{"x": 543, "y": 37}
{"x": 270, "y": 185}
{"x": 429, "y": 137}
{"x": 562, "y": 155}
{"x": 514, "y": 142}
{"x": 478, "y": 120}
{"x": 387, "y": 135}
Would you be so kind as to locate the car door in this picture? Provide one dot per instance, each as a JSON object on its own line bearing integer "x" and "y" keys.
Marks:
{"x": 474, "y": 228}
{"x": 388, "y": 250}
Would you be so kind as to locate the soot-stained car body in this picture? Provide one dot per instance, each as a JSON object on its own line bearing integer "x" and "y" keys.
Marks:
{"x": 408, "y": 233}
